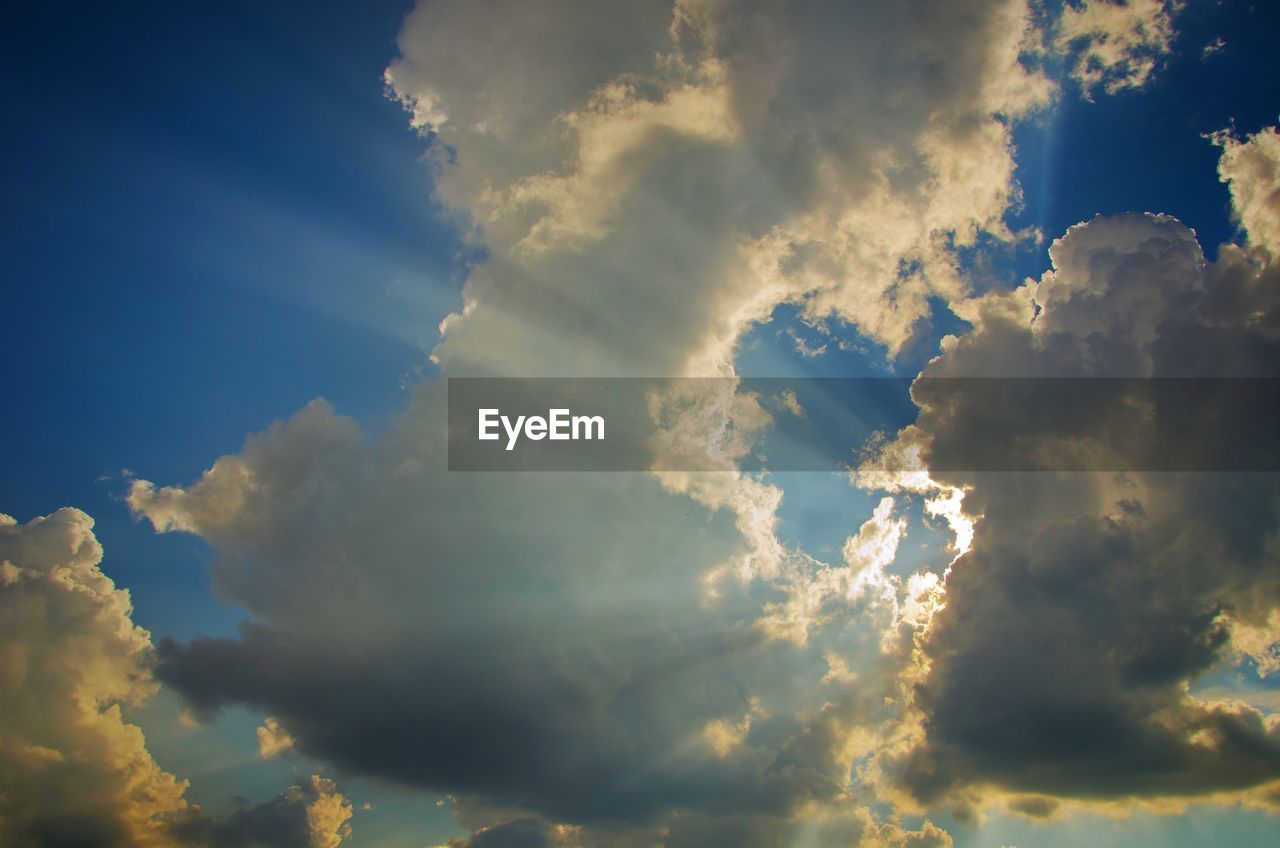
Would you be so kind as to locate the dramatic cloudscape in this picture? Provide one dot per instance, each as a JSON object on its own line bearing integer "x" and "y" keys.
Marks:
{"x": 246, "y": 599}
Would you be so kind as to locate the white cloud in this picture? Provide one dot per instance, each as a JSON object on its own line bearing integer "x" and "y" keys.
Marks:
{"x": 70, "y": 656}
{"x": 328, "y": 814}
{"x": 74, "y": 770}
{"x": 273, "y": 740}
{"x": 716, "y": 160}
{"x": 1115, "y": 44}
{"x": 1251, "y": 168}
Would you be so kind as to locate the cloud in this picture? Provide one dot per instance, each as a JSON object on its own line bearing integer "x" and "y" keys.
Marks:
{"x": 1034, "y": 806}
{"x": 647, "y": 185}
{"x": 273, "y": 740}
{"x": 1088, "y": 603}
{"x": 518, "y": 833}
{"x": 1251, "y": 168}
{"x": 540, "y": 640}
{"x": 702, "y": 162}
{"x": 542, "y": 645}
{"x": 641, "y": 207}
{"x": 314, "y": 815}
{"x": 73, "y": 771}
{"x": 1213, "y": 48}
{"x": 1115, "y": 44}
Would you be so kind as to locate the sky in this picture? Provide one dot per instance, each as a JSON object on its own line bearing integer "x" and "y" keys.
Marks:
{"x": 245, "y": 602}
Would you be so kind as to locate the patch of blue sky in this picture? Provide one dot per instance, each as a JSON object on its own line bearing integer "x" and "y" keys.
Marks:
{"x": 1239, "y": 679}
{"x": 218, "y": 217}
{"x": 1145, "y": 150}
{"x": 220, "y": 757}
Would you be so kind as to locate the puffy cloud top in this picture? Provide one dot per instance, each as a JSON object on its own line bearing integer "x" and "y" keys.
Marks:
{"x": 1090, "y": 602}
{"x": 649, "y": 183}
{"x": 72, "y": 770}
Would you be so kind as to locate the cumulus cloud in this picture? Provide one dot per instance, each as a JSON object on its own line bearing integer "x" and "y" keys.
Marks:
{"x": 273, "y": 740}
{"x": 1115, "y": 44}
{"x": 1213, "y": 48}
{"x": 1251, "y": 168}
{"x": 72, "y": 770}
{"x": 701, "y": 162}
{"x": 625, "y": 659}
{"x": 541, "y": 645}
{"x": 540, "y": 640}
{"x": 313, "y": 815}
{"x": 642, "y": 206}
{"x": 646, "y": 184}
{"x": 1088, "y": 603}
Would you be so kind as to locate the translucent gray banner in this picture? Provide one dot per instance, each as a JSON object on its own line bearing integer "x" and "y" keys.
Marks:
{"x": 832, "y": 424}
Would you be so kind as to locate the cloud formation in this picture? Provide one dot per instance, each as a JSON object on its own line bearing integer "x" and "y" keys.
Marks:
{"x": 1090, "y": 602}
{"x": 313, "y": 815}
{"x": 646, "y": 185}
{"x": 652, "y": 199}
{"x": 1251, "y": 168}
{"x": 599, "y": 659}
{"x": 72, "y": 770}
{"x": 273, "y": 740}
{"x": 1115, "y": 44}
{"x": 561, "y": 661}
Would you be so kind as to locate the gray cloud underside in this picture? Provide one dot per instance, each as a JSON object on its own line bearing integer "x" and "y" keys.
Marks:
{"x": 1090, "y": 601}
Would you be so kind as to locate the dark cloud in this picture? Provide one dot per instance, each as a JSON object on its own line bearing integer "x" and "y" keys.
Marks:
{"x": 538, "y": 639}
{"x": 308, "y": 816}
{"x": 1090, "y": 601}
{"x": 545, "y": 642}
{"x": 1034, "y": 806}
{"x": 520, "y": 833}
{"x": 494, "y": 722}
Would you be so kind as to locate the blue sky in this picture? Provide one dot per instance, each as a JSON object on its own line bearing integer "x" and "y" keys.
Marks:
{"x": 198, "y": 251}
{"x": 215, "y": 213}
